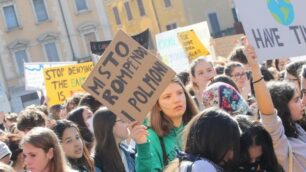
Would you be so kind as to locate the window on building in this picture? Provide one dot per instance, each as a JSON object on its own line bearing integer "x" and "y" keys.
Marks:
{"x": 116, "y": 14}
{"x": 81, "y": 5}
{"x": 89, "y": 37}
{"x": 21, "y": 57}
{"x": 51, "y": 52}
{"x": 171, "y": 26}
{"x": 40, "y": 10}
{"x": 10, "y": 17}
{"x": 214, "y": 23}
{"x": 142, "y": 11}
{"x": 167, "y": 3}
{"x": 128, "y": 11}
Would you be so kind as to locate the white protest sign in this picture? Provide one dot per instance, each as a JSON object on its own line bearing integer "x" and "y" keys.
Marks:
{"x": 171, "y": 50}
{"x": 33, "y": 73}
{"x": 276, "y": 28}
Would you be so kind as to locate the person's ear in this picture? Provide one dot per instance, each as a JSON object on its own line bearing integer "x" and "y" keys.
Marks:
{"x": 50, "y": 153}
{"x": 158, "y": 106}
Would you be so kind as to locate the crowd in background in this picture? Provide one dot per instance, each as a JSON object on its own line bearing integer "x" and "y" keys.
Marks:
{"x": 232, "y": 115}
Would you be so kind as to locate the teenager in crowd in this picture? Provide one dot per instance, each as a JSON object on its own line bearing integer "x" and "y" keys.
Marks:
{"x": 30, "y": 118}
{"x": 55, "y": 111}
{"x": 112, "y": 153}
{"x": 5, "y": 153}
{"x": 292, "y": 73}
{"x": 211, "y": 143}
{"x": 201, "y": 72}
{"x": 9, "y": 120}
{"x": 280, "y": 64}
{"x": 256, "y": 151}
{"x": 82, "y": 117}
{"x": 224, "y": 96}
{"x": 73, "y": 145}
{"x": 72, "y": 102}
{"x": 89, "y": 101}
{"x": 303, "y": 84}
{"x": 42, "y": 151}
{"x": 17, "y": 155}
{"x": 289, "y": 139}
{"x": 169, "y": 116}
{"x": 236, "y": 71}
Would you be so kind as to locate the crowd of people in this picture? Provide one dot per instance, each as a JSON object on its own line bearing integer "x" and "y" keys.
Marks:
{"x": 235, "y": 115}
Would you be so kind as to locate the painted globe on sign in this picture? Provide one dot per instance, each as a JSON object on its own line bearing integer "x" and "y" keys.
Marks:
{"x": 282, "y": 11}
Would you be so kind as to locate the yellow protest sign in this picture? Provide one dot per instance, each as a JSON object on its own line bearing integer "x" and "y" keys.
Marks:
{"x": 62, "y": 82}
{"x": 191, "y": 44}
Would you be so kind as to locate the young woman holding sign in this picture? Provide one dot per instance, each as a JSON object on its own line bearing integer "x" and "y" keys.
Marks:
{"x": 158, "y": 142}
{"x": 289, "y": 139}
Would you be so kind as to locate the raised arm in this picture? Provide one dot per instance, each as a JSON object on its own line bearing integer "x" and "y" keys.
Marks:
{"x": 262, "y": 93}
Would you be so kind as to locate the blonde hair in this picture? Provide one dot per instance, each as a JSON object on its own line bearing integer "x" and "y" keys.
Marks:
{"x": 45, "y": 139}
{"x": 162, "y": 124}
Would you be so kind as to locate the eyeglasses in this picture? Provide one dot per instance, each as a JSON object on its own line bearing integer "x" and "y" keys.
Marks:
{"x": 239, "y": 75}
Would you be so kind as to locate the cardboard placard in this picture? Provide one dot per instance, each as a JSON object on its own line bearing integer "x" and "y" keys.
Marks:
{"x": 128, "y": 79}
{"x": 61, "y": 82}
{"x": 279, "y": 30}
{"x": 192, "y": 44}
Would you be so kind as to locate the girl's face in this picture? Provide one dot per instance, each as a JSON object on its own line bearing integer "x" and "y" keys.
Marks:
{"x": 36, "y": 159}
{"x": 72, "y": 143}
{"x": 173, "y": 101}
{"x": 255, "y": 151}
{"x": 87, "y": 114}
{"x": 296, "y": 107}
{"x": 239, "y": 76}
{"x": 203, "y": 73}
{"x": 282, "y": 64}
{"x": 121, "y": 129}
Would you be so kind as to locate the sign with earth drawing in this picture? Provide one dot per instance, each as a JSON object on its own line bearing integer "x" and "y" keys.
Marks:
{"x": 276, "y": 28}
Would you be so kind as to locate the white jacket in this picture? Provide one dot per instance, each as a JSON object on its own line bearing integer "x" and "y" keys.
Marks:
{"x": 274, "y": 125}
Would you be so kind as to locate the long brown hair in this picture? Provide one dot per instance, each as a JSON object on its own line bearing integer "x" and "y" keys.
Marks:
{"x": 106, "y": 150}
{"x": 59, "y": 129}
{"x": 45, "y": 139}
{"x": 161, "y": 124}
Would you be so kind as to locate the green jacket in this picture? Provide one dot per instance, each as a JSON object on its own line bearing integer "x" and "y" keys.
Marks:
{"x": 149, "y": 156}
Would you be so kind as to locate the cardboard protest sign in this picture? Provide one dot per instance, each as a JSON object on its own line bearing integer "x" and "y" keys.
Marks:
{"x": 33, "y": 73}
{"x": 171, "y": 51}
{"x": 276, "y": 28}
{"x": 62, "y": 82}
{"x": 191, "y": 44}
{"x": 100, "y": 46}
{"x": 128, "y": 79}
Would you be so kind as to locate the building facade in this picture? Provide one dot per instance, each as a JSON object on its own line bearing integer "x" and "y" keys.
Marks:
{"x": 45, "y": 30}
{"x": 135, "y": 16}
{"x": 220, "y": 15}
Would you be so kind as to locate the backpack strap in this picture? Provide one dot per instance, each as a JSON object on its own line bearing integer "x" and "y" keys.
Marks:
{"x": 165, "y": 156}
